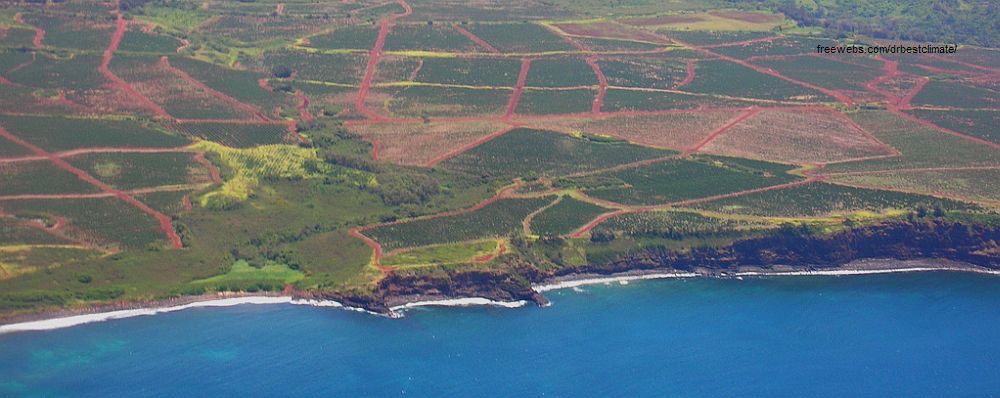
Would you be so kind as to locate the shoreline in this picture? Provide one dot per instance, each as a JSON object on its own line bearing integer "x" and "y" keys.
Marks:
{"x": 68, "y": 318}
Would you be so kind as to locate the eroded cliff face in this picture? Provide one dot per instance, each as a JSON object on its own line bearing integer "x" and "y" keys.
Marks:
{"x": 975, "y": 244}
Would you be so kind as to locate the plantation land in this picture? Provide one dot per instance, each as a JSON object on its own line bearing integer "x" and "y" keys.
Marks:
{"x": 359, "y": 149}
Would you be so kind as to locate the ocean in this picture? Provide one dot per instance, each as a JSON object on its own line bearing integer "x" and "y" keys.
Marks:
{"x": 929, "y": 334}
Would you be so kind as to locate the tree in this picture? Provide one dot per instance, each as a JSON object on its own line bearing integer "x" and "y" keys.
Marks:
{"x": 281, "y": 71}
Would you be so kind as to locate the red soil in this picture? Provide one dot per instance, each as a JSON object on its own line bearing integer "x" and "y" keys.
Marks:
{"x": 117, "y": 81}
{"x": 165, "y": 222}
{"x": 602, "y": 87}
{"x": 690, "y": 75}
{"x": 186, "y": 202}
{"x": 373, "y": 57}
{"x": 39, "y": 32}
{"x": 212, "y": 170}
{"x": 476, "y": 39}
{"x": 768, "y": 39}
{"x": 81, "y": 151}
{"x": 303, "y": 107}
{"x": 439, "y": 159}
{"x": 609, "y": 30}
{"x": 211, "y": 91}
{"x": 515, "y": 97}
{"x": 736, "y": 120}
{"x": 915, "y": 170}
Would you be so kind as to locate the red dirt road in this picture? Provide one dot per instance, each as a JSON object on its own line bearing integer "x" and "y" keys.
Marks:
{"x": 690, "y": 75}
{"x": 476, "y": 39}
{"x": 39, "y": 32}
{"x": 211, "y": 91}
{"x": 117, "y": 81}
{"x": 373, "y": 58}
{"x": 165, "y": 223}
{"x": 466, "y": 147}
{"x": 602, "y": 85}
{"x": 732, "y": 122}
{"x": 82, "y": 151}
{"x": 515, "y": 97}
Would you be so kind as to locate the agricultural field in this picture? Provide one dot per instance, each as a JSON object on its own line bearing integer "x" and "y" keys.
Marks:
{"x": 498, "y": 219}
{"x": 565, "y": 216}
{"x": 359, "y": 37}
{"x": 679, "y": 180}
{"x": 39, "y": 177}
{"x": 128, "y": 171}
{"x": 146, "y": 42}
{"x": 981, "y": 124}
{"x": 797, "y": 137}
{"x": 552, "y": 102}
{"x": 417, "y": 145}
{"x": 180, "y": 98}
{"x": 109, "y": 223}
{"x": 53, "y": 133}
{"x": 678, "y": 131}
{"x": 424, "y": 37}
{"x": 950, "y": 93}
{"x": 643, "y": 72}
{"x": 973, "y": 185}
{"x": 533, "y": 153}
{"x": 560, "y": 72}
{"x": 237, "y": 135}
{"x": 920, "y": 145}
{"x": 256, "y": 145}
{"x": 520, "y": 37}
{"x": 822, "y": 199}
{"x": 469, "y": 71}
{"x": 421, "y": 101}
{"x": 726, "y": 78}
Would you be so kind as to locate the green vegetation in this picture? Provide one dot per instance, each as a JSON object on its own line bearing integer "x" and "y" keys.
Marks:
{"x": 643, "y": 72}
{"x": 128, "y": 171}
{"x": 139, "y": 41}
{"x": 498, "y": 219}
{"x": 520, "y": 37}
{"x": 551, "y": 102}
{"x": 237, "y": 135}
{"x": 450, "y": 253}
{"x": 721, "y": 77}
{"x": 981, "y": 124}
{"x": 565, "y": 217}
{"x": 678, "y": 180}
{"x": 346, "y": 37}
{"x": 424, "y": 101}
{"x": 560, "y": 72}
{"x": 471, "y": 71}
{"x": 819, "y": 199}
{"x": 958, "y": 94}
{"x": 243, "y": 274}
{"x": 634, "y": 100}
{"x": 535, "y": 153}
{"x": 425, "y": 37}
{"x": 108, "y": 222}
{"x": 39, "y": 177}
{"x": 53, "y": 133}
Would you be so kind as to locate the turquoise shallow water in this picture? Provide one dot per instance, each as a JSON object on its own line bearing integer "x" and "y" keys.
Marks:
{"x": 932, "y": 334}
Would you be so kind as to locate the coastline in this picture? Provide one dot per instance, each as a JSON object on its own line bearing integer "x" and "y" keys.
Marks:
{"x": 68, "y": 318}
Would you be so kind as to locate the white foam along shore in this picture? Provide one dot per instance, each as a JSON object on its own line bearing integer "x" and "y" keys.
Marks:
{"x": 74, "y": 320}
{"x": 845, "y": 272}
{"x": 461, "y": 302}
{"x": 622, "y": 279}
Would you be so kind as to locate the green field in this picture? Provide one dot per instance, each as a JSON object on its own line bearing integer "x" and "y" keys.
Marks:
{"x": 239, "y": 84}
{"x": 346, "y": 38}
{"x": 74, "y": 72}
{"x": 449, "y": 253}
{"x": 519, "y": 37}
{"x": 471, "y": 71}
{"x": 727, "y": 78}
{"x": 677, "y": 225}
{"x": 560, "y": 72}
{"x": 139, "y": 41}
{"x": 958, "y": 94}
{"x": 533, "y": 153}
{"x": 39, "y": 177}
{"x": 127, "y": 171}
{"x": 498, "y": 219}
{"x": 420, "y": 101}
{"x": 981, "y": 124}
{"x": 565, "y": 217}
{"x": 236, "y": 135}
{"x": 108, "y": 222}
{"x": 819, "y": 199}
{"x": 629, "y": 100}
{"x": 18, "y": 232}
{"x": 425, "y": 37}
{"x": 643, "y": 72}
{"x": 335, "y": 68}
{"x": 550, "y": 102}
{"x": 53, "y": 133}
{"x": 678, "y": 180}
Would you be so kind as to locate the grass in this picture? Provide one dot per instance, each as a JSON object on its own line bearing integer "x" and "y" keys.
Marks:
{"x": 360, "y": 37}
{"x": 629, "y": 100}
{"x": 71, "y": 72}
{"x": 450, "y": 253}
{"x": 498, "y": 219}
{"x": 18, "y": 232}
{"x": 139, "y": 41}
{"x": 336, "y": 68}
{"x": 429, "y": 37}
{"x": 678, "y": 225}
{"x": 242, "y": 272}
{"x": 824, "y": 72}
{"x": 239, "y": 84}
{"x": 18, "y": 260}
{"x": 974, "y": 185}
{"x": 532, "y": 153}
{"x": 958, "y": 94}
{"x": 786, "y": 45}
{"x": 420, "y": 101}
{"x": 73, "y": 31}
{"x": 54, "y": 133}
{"x": 709, "y": 37}
{"x": 107, "y": 222}
{"x": 330, "y": 259}
{"x": 643, "y": 72}
{"x": 565, "y": 217}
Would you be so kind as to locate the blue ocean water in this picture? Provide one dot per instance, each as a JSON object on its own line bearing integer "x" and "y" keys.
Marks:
{"x": 930, "y": 334}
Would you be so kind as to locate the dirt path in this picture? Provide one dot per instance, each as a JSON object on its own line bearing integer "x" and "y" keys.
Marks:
{"x": 373, "y": 57}
{"x": 526, "y": 222}
{"x": 476, "y": 39}
{"x": 39, "y": 37}
{"x": 117, "y": 81}
{"x": 466, "y": 147}
{"x": 212, "y": 170}
{"x": 303, "y": 107}
{"x": 211, "y": 91}
{"x": 732, "y": 122}
{"x": 768, "y": 39}
{"x": 82, "y": 151}
{"x": 602, "y": 85}
{"x": 690, "y": 75}
{"x": 915, "y": 170}
{"x": 515, "y": 97}
{"x": 165, "y": 222}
